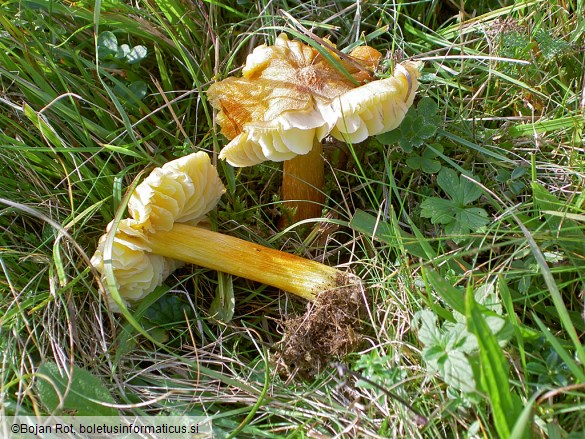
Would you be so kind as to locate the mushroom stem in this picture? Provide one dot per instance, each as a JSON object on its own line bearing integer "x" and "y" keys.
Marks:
{"x": 296, "y": 275}
{"x": 302, "y": 184}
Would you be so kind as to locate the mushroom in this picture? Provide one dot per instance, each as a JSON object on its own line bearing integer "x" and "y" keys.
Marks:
{"x": 290, "y": 97}
{"x": 162, "y": 233}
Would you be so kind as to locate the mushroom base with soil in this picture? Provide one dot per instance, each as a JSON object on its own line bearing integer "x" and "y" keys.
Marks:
{"x": 332, "y": 327}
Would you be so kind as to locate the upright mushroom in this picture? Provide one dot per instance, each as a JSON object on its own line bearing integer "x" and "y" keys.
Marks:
{"x": 162, "y": 233}
{"x": 290, "y": 97}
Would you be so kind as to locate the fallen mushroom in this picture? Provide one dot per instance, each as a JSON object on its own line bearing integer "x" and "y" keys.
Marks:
{"x": 162, "y": 233}
{"x": 290, "y": 97}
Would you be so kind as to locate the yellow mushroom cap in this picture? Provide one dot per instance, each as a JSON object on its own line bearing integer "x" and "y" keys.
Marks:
{"x": 376, "y": 107}
{"x": 290, "y": 97}
{"x": 181, "y": 191}
{"x": 282, "y": 139}
{"x": 281, "y": 104}
{"x": 136, "y": 270}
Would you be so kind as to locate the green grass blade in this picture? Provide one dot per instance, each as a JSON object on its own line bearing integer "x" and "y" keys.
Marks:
{"x": 577, "y": 371}
{"x": 494, "y": 368}
{"x": 368, "y": 224}
{"x": 523, "y": 424}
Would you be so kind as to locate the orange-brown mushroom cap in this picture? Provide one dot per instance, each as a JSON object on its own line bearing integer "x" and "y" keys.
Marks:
{"x": 281, "y": 104}
{"x": 290, "y": 97}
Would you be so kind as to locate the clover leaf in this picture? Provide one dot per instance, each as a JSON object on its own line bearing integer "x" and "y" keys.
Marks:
{"x": 454, "y": 213}
{"x": 419, "y": 124}
{"x": 426, "y": 161}
{"x": 108, "y": 49}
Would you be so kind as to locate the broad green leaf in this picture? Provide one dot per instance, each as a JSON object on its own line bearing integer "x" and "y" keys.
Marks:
{"x": 107, "y": 44}
{"x": 167, "y": 310}
{"x": 521, "y": 429}
{"x": 434, "y": 354}
{"x": 456, "y": 370}
{"x": 139, "y": 89}
{"x": 137, "y": 54}
{"x": 82, "y": 395}
{"x": 439, "y": 210}
{"x": 428, "y": 333}
{"x": 518, "y": 172}
{"x": 390, "y": 137}
{"x": 448, "y": 181}
{"x": 122, "y": 52}
{"x": 159, "y": 334}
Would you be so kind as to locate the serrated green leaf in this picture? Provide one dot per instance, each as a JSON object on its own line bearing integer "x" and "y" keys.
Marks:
{"x": 486, "y": 295}
{"x": 426, "y": 131}
{"x": 428, "y": 108}
{"x": 439, "y": 210}
{"x": 414, "y": 162}
{"x": 81, "y": 395}
{"x": 469, "y": 191}
{"x": 434, "y": 355}
{"x": 473, "y": 218}
{"x": 428, "y": 332}
{"x": 429, "y": 164}
{"x": 448, "y": 181}
{"x": 456, "y": 371}
{"x": 408, "y": 125}
{"x": 457, "y": 219}
{"x": 466, "y": 220}
{"x": 433, "y": 150}
{"x": 456, "y": 337}
{"x": 406, "y": 144}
